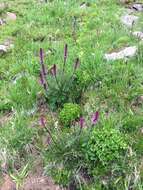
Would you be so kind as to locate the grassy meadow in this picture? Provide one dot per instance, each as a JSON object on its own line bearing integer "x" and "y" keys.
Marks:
{"x": 62, "y": 104}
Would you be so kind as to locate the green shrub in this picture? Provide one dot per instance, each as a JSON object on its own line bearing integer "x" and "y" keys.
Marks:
{"x": 69, "y": 113}
{"x": 105, "y": 145}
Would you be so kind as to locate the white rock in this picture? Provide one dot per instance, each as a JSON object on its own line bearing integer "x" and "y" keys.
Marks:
{"x": 129, "y": 20}
{"x": 11, "y": 16}
{"x": 3, "y": 49}
{"x": 138, "y": 34}
{"x": 83, "y": 6}
{"x": 141, "y": 130}
{"x": 138, "y": 7}
{"x": 6, "y": 46}
{"x": 127, "y": 52}
{"x": 19, "y": 76}
{"x": 2, "y": 21}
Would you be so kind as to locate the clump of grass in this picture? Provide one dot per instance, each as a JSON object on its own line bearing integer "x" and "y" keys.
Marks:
{"x": 90, "y": 31}
{"x": 60, "y": 85}
{"x": 77, "y": 156}
{"x": 16, "y": 136}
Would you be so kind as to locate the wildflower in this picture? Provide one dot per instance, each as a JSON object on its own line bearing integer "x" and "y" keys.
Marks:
{"x": 43, "y": 121}
{"x": 41, "y": 56}
{"x": 95, "y": 118}
{"x": 43, "y": 82}
{"x": 42, "y": 61}
{"x": 81, "y": 122}
{"x": 65, "y": 56}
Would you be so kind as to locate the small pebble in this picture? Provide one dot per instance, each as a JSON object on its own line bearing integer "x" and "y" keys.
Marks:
{"x": 138, "y": 34}
{"x": 138, "y": 7}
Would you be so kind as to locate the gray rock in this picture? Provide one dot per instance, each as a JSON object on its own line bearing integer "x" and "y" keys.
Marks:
{"x": 141, "y": 130}
{"x": 19, "y": 76}
{"x": 126, "y": 53}
{"x": 3, "y": 49}
{"x": 138, "y": 34}
{"x": 83, "y": 5}
{"x": 140, "y": 99}
{"x": 129, "y": 20}
{"x": 138, "y": 7}
{"x": 2, "y": 21}
{"x": 11, "y": 16}
{"x": 6, "y": 46}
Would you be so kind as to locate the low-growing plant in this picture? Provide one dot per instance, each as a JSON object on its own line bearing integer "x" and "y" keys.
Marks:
{"x": 65, "y": 159}
{"x": 69, "y": 113}
{"x": 86, "y": 153}
{"x": 105, "y": 145}
{"x": 60, "y": 84}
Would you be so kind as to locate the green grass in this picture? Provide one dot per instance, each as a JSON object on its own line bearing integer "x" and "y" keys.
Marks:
{"x": 109, "y": 87}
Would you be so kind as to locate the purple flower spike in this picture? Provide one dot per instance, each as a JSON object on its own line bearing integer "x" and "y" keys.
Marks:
{"x": 81, "y": 122}
{"x": 41, "y": 55}
{"x": 42, "y": 121}
{"x": 77, "y": 64}
{"x": 42, "y": 61}
{"x": 42, "y": 79}
{"x": 95, "y": 118}
{"x": 65, "y": 56}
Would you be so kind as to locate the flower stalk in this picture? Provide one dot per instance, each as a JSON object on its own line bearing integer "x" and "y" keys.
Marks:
{"x": 43, "y": 70}
{"x": 65, "y": 56}
{"x": 42, "y": 61}
{"x": 95, "y": 117}
{"x": 43, "y": 124}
